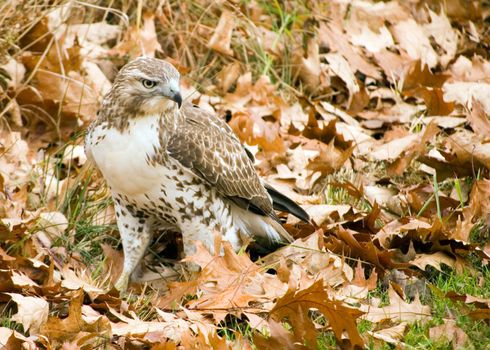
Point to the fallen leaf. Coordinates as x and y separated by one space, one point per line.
13 340
373 40
465 93
228 76
171 328
478 120
32 312
295 305
309 68
469 149
397 311
331 36
444 35
411 37
139 41
452 333
81 280
435 260
226 283
51 226
59 330
221 39
392 335
279 338
476 69
341 68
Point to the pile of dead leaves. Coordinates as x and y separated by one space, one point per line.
372 115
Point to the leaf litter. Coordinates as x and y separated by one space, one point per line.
373 116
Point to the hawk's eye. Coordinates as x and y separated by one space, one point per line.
148 83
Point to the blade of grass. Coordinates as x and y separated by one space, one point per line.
436 195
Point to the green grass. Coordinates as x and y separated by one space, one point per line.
6 319
442 308
81 203
233 325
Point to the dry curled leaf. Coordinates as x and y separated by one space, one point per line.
221 39
32 312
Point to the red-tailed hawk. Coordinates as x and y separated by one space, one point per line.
172 165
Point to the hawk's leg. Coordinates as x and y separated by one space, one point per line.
192 232
135 231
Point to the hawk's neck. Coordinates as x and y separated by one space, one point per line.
119 115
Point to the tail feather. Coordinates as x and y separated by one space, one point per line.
268 232
282 203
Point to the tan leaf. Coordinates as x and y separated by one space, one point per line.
221 39
398 310
390 151
403 150
451 332
74 326
373 40
13 340
71 92
313 260
444 35
479 206
139 41
51 226
113 263
332 36
228 76
90 36
74 155
309 68
225 283
341 68
478 120
391 63
22 280
469 149
327 213
361 281
475 70
172 327
392 335
279 338
465 93
329 159
293 115
80 280
32 312
295 305
435 260
16 72
411 37
433 99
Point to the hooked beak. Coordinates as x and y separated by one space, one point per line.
177 97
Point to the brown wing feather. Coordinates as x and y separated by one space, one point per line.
207 145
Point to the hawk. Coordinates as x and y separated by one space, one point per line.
171 165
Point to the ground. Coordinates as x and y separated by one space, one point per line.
371 115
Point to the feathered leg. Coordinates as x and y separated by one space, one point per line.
135 234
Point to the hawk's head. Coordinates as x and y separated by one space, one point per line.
147 86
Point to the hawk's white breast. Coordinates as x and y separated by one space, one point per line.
122 155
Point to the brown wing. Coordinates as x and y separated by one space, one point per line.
207 145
